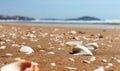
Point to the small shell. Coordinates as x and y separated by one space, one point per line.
118 60
51 52
2 47
72 43
26 49
71 68
53 64
104 60
93 58
71 59
109 65
9 54
100 68
92 46
86 61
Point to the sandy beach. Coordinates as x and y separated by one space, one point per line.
50 51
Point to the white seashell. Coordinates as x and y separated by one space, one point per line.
73 43
26 49
73 32
100 68
18 59
71 59
82 50
2 47
78 48
2 42
62 44
113 58
93 58
53 64
118 60
60 48
86 61
108 65
92 46
104 60
15 45
109 45
9 54
51 52
71 68
42 50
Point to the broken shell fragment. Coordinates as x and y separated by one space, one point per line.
20 66
92 46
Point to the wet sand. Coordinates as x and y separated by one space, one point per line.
52 54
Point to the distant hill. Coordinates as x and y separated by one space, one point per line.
84 18
4 17
89 18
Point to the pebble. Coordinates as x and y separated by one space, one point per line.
26 49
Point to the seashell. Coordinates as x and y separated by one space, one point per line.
20 66
60 48
17 59
78 48
86 61
53 64
51 52
2 47
82 50
109 65
93 58
73 43
42 50
26 49
14 45
71 59
92 46
100 68
104 60
9 54
118 60
71 68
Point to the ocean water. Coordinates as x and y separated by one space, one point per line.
69 24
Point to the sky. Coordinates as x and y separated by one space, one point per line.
62 9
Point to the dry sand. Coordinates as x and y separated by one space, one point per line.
52 54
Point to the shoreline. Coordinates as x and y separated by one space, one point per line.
70 25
